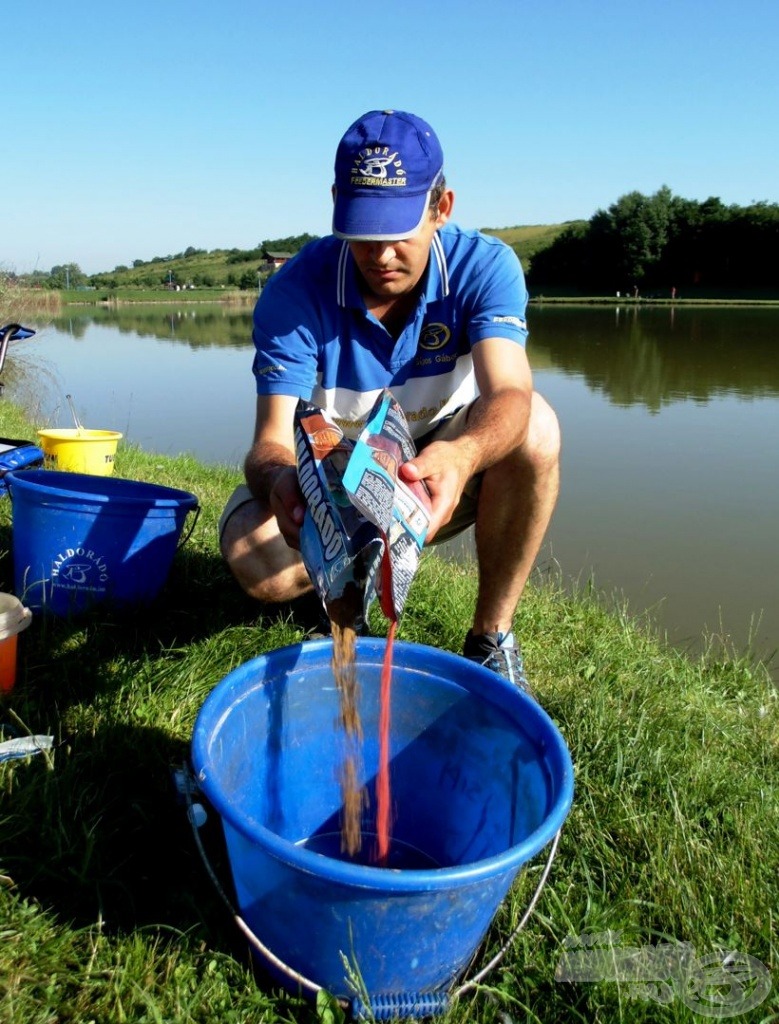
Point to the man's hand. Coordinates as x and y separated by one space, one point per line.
445 468
497 423
287 504
270 466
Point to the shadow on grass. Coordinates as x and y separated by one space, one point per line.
104 841
104 837
66 660
199 598
99 834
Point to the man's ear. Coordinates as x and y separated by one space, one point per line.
445 205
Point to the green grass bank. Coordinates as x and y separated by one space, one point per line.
107 915
56 302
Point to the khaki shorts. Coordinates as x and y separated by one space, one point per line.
464 515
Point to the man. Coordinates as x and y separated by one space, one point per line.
398 297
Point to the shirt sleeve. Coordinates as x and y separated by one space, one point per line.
285 357
498 302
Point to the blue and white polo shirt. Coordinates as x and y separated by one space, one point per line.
315 339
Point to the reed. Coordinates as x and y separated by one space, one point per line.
19 305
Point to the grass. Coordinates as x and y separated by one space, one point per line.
568 297
119 296
106 914
528 239
19 305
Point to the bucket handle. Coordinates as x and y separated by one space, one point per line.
187 785
474 981
183 540
387 1007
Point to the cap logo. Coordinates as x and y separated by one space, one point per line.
375 165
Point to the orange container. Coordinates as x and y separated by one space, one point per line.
14 618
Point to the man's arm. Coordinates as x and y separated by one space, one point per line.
497 425
270 466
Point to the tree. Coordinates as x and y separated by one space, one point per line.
294 243
665 239
68 275
640 226
565 261
248 280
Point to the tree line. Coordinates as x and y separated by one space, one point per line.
179 268
664 241
646 243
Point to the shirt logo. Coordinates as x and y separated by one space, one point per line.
434 336
375 165
509 320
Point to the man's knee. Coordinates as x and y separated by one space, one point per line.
542 444
259 558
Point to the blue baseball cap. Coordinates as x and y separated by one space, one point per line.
386 165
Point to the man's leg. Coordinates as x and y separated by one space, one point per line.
516 501
259 557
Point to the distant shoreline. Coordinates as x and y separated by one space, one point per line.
630 302
34 301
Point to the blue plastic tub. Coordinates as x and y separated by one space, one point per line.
481 781
80 540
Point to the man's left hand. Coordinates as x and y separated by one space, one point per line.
445 469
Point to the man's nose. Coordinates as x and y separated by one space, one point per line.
382 253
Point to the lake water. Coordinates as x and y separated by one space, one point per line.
670 420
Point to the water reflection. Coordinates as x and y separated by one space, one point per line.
633 356
652 357
196 324
670 477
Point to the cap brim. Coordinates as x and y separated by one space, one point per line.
379 218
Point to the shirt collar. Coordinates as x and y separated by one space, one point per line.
436 276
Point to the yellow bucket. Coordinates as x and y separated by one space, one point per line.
79 451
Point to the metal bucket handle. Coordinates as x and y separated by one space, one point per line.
383 1007
183 540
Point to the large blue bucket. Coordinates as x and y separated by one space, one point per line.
481 781
81 540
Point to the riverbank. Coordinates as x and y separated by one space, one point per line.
106 911
628 302
20 304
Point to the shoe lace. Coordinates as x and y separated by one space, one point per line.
507 661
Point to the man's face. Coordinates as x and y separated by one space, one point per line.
391 269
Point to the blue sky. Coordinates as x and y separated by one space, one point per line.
137 130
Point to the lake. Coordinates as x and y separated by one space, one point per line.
670 421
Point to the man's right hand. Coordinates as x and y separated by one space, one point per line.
287 504
270 467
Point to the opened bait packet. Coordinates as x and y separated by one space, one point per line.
337 544
400 510
364 527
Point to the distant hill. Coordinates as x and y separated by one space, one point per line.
202 269
238 268
529 239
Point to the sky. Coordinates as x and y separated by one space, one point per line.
137 130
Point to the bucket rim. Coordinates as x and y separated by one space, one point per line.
502 693
73 434
98 490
